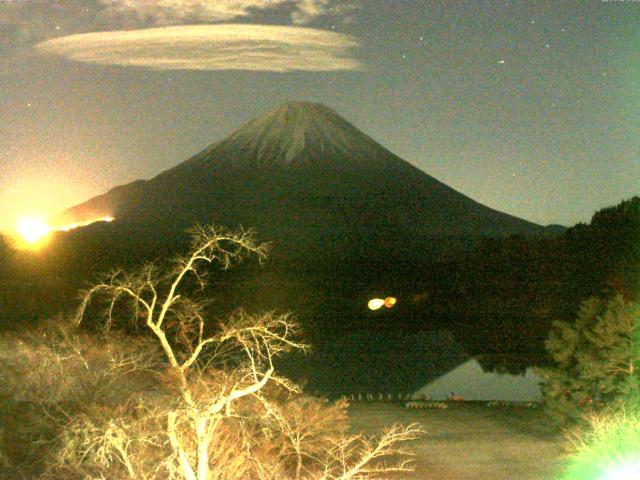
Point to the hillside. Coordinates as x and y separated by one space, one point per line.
347 220
310 182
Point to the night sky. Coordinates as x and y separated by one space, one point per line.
531 108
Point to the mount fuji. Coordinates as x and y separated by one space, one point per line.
310 182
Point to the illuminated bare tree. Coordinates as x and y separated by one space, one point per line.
359 457
339 455
215 416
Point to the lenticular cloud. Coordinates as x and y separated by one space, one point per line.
212 47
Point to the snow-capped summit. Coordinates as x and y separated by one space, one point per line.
293 135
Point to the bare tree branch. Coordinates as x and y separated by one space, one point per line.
215 417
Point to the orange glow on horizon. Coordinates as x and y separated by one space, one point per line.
71 226
32 232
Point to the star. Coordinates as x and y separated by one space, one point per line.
547 46
501 62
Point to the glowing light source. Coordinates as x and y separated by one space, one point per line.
71 226
32 230
375 303
629 470
378 303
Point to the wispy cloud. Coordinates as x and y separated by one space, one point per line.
307 10
163 12
211 47
25 22
168 12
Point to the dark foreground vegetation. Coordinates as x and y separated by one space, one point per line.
183 398
499 297
160 375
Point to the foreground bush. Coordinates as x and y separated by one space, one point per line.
189 400
608 449
596 360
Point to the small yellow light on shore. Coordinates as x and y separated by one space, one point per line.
375 303
32 230
390 301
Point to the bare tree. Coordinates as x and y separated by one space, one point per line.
56 363
331 453
215 416
359 457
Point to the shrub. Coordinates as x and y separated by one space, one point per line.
596 360
608 449
189 400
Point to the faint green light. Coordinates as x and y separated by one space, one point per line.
609 451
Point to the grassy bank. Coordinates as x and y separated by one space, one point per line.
471 441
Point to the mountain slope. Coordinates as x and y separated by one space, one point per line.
347 218
310 181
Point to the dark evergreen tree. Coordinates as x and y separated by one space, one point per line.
596 360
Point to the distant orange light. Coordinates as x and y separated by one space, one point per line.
32 230
378 303
390 301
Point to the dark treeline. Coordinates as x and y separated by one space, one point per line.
498 296
511 289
